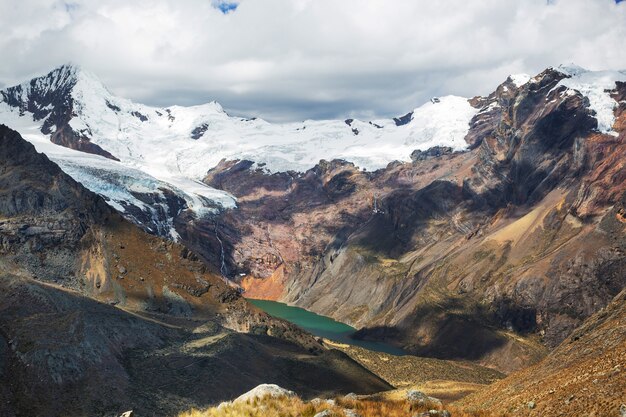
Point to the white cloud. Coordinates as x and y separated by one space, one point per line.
295 59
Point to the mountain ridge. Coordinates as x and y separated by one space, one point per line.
529 206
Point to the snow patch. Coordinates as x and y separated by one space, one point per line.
595 85
519 79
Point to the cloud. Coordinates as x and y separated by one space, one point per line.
298 59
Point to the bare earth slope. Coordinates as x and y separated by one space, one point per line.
494 254
584 375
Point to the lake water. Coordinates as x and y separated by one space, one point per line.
321 326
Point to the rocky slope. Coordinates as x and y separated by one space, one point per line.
97 317
584 375
491 254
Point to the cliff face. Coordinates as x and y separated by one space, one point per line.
98 317
488 254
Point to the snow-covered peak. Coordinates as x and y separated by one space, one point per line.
596 86
174 147
519 79
60 81
57 79
571 69
89 83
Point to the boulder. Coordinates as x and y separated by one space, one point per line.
265 390
420 398
434 413
318 401
414 395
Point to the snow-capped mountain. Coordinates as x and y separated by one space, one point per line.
594 85
149 162
189 140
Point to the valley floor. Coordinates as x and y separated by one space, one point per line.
444 379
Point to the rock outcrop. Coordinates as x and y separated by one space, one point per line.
264 390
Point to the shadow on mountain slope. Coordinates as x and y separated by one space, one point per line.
69 355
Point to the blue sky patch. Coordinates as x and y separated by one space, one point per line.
225 6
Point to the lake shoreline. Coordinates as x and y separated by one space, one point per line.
322 326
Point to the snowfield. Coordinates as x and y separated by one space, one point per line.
519 79
160 141
175 147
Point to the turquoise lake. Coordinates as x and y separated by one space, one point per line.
321 326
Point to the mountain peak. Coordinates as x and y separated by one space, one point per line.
71 73
571 69
60 85
65 75
62 79
67 68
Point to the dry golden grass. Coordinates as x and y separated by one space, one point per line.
266 407
445 390
413 372
371 406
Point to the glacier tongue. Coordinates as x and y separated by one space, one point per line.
141 197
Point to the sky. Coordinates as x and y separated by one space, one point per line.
289 60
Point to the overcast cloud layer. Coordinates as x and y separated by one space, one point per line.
299 59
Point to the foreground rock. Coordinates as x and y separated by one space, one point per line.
422 399
264 390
